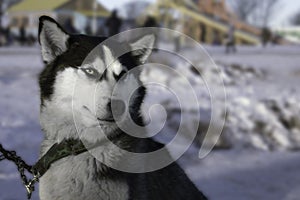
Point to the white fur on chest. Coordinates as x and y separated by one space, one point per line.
78 177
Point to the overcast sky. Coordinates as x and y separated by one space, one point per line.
286 9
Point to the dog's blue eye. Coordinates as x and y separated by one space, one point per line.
91 72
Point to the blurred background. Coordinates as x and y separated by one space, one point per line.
253 22
255 45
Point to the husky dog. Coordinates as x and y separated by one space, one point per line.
83 176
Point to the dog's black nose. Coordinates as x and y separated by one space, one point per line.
117 107
108 107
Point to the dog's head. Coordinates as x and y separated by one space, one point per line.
77 82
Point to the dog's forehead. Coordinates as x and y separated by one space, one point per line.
102 57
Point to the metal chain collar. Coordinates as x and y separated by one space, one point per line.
56 152
22 167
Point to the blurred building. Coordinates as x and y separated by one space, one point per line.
204 20
290 34
81 13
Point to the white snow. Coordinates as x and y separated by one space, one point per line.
262 128
263 108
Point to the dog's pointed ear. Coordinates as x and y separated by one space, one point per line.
143 47
110 61
52 38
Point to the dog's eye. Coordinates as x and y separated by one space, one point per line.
89 71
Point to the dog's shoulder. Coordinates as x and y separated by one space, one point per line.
170 182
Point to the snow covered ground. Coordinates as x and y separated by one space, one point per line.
19 112
262 129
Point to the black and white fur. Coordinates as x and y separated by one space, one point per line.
83 176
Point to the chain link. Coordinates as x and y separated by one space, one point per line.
56 152
22 166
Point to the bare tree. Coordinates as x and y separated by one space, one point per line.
264 12
255 12
244 8
296 19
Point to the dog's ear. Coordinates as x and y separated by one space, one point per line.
111 62
142 48
52 38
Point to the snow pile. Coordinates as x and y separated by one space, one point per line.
265 124
236 74
251 122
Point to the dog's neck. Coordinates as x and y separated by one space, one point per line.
57 129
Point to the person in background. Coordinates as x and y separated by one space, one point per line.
113 23
151 22
2 37
216 39
102 30
177 38
203 33
266 36
22 34
88 29
230 43
9 36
